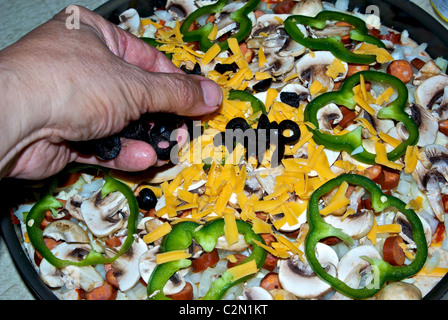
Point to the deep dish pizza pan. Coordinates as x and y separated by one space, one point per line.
397 14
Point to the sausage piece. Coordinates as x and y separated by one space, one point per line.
402 69
185 294
392 252
105 292
271 281
205 260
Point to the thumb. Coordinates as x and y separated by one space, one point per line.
183 94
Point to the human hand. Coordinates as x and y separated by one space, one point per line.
64 85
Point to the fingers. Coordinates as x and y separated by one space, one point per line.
187 95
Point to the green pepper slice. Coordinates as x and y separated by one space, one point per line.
181 237
255 103
48 202
319 230
352 141
201 34
333 43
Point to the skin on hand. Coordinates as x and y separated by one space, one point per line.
64 85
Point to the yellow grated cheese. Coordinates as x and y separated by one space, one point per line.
381 157
279 20
411 159
212 35
382 55
389 139
231 258
211 54
371 235
363 87
262 61
293 247
389 228
260 226
265 247
269 205
242 270
434 272
335 204
290 77
406 251
172 256
415 204
157 233
384 96
316 88
349 212
230 228
262 75
335 69
366 124
363 104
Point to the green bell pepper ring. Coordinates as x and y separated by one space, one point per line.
382 270
201 34
48 202
352 141
181 237
333 43
255 103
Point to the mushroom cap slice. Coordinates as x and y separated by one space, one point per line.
298 278
86 278
399 291
328 116
427 126
130 21
256 293
352 265
431 90
436 156
356 225
67 231
126 267
104 216
307 7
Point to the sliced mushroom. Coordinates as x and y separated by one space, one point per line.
356 225
180 9
126 266
298 278
313 66
130 21
86 278
73 206
399 291
255 293
380 125
147 264
354 269
432 94
436 156
66 230
238 246
429 69
104 216
307 7
430 182
427 125
329 116
406 230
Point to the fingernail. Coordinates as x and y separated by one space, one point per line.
212 93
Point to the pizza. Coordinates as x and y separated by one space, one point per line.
322 175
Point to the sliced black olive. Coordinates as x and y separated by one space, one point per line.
146 199
238 123
222 68
136 130
262 85
292 126
196 69
108 148
161 135
292 99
